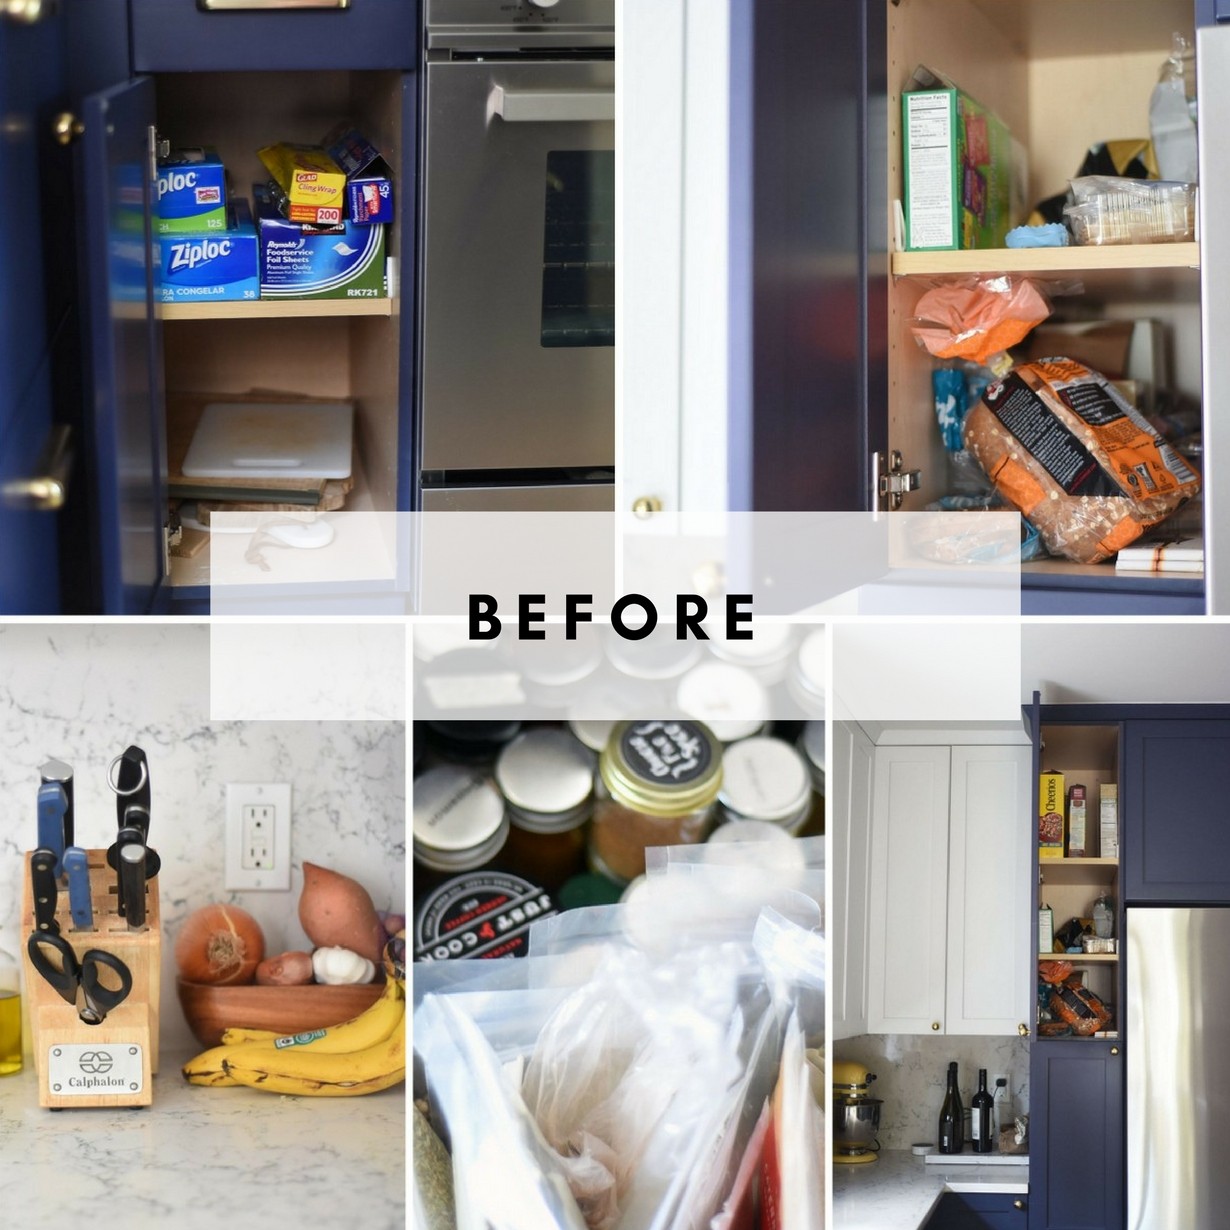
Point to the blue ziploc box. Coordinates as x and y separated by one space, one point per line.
369 182
214 266
300 261
191 192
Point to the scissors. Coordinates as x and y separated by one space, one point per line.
79 982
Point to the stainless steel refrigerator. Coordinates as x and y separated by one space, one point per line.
1178 1051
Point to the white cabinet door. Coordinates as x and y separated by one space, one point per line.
909 890
989 930
849 829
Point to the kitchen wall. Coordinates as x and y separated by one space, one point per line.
84 692
912 1071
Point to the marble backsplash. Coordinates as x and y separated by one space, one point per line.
912 1072
84 692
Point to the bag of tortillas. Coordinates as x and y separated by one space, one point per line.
1062 445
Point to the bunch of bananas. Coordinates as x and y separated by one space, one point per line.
362 1055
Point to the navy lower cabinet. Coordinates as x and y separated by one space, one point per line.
1176 838
1077 1134
979 1211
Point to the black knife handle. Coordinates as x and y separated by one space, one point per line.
44 889
132 876
131 783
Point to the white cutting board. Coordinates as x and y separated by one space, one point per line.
272 440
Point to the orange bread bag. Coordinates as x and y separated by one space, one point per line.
1062 445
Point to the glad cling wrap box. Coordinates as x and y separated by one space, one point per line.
1063 446
317 262
191 193
214 266
313 185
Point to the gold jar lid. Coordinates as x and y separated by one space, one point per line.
667 768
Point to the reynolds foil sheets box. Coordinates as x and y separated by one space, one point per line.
191 192
317 262
313 184
215 266
369 182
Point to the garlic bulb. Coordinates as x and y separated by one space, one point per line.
340 966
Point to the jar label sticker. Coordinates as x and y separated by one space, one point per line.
670 753
485 914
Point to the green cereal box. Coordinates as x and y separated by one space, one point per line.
957 168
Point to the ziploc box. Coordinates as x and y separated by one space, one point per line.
957 168
191 192
215 266
313 184
1050 815
317 262
369 182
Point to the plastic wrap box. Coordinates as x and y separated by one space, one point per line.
317 262
957 168
191 193
216 266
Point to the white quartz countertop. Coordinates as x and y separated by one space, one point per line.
232 1158
898 1190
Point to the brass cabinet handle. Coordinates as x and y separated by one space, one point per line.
215 5
645 506
66 128
27 12
1114 1050
935 1025
1018 1204
1023 1030
47 489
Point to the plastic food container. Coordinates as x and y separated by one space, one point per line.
1111 210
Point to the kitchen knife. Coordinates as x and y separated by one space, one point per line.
132 785
137 817
60 773
52 805
152 863
132 877
79 902
43 884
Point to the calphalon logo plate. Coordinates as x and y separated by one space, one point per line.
87 1070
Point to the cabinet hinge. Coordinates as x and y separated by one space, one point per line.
892 480
156 147
172 536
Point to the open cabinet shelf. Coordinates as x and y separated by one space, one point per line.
276 309
1094 261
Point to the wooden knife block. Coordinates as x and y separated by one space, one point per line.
54 1022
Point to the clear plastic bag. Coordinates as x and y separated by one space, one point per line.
978 318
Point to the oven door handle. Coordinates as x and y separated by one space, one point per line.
550 106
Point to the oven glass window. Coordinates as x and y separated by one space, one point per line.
578 263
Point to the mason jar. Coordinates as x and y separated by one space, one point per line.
459 823
766 779
547 779
657 784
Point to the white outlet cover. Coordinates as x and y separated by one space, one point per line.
238 796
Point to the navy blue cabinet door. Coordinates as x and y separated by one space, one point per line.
32 84
178 36
979 1211
123 364
1176 835
1077 1135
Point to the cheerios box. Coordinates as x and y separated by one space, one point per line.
191 192
299 261
212 266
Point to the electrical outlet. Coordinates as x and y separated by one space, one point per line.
258 835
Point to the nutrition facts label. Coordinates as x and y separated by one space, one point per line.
929 205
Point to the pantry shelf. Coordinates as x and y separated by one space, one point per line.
1081 958
275 309
1072 261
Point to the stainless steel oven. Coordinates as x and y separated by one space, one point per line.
518 248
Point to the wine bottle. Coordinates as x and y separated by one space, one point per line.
952 1116
981 1107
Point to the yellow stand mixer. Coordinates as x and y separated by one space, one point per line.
856 1115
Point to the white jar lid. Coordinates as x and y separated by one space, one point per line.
593 734
458 819
547 775
765 779
729 699
808 683
659 656
748 830
770 642
811 744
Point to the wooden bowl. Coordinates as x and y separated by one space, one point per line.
287 1010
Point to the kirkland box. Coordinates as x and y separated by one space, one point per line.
217 266
191 192
369 182
317 262
957 168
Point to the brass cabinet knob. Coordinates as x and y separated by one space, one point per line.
1114 1050
66 128
1018 1204
1023 1030
27 12
645 506
47 488
935 1025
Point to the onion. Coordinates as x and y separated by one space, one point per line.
289 969
219 945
